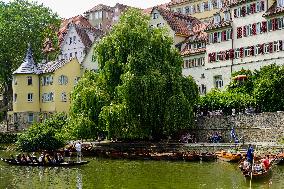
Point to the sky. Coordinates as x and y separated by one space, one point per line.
70 8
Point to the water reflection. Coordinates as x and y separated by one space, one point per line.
134 175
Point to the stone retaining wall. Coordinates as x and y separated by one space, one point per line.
264 127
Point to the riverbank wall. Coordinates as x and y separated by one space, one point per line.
263 127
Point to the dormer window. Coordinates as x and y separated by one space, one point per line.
280 3
217 18
227 16
155 15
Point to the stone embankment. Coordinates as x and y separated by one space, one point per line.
263 127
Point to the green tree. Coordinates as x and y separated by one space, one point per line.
269 88
44 136
141 72
22 22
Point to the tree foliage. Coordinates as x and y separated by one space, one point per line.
44 136
23 22
139 91
263 89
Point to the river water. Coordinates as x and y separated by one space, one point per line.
123 174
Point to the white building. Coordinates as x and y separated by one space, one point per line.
76 37
245 34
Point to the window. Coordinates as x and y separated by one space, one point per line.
217 19
74 39
155 15
30 117
159 25
70 55
258 28
257 50
249 29
280 23
266 48
227 16
238 12
276 46
202 89
247 51
62 80
100 14
280 3
202 7
187 10
218 81
219 4
219 37
30 80
258 7
15 80
210 6
15 97
237 53
70 40
76 80
96 15
47 80
76 54
48 97
219 56
30 97
63 97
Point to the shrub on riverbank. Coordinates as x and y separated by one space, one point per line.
8 138
44 136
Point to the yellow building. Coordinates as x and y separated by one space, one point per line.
42 89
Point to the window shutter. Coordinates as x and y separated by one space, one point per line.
241 52
231 54
209 57
245 31
261 49
276 23
280 45
271 47
262 5
223 36
215 37
252 50
264 27
253 7
254 29
244 11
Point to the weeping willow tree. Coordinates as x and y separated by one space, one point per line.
139 91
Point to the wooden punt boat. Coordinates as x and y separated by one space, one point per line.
255 175
229 157
191 157
65 164
207 157
279 159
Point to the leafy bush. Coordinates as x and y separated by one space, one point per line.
44 136
8 138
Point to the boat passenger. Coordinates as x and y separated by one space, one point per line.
60 158
41 158
23 159
67 155
257 167
266 163
18 158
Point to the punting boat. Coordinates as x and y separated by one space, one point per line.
279 159
229 157
207 157
256 174
65 164
191 157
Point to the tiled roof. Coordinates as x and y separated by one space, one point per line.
176 2
179 23
274 10
77 20
149 10
84 37
28 66
52 66
100 7
234 3
47 46
187 52
222 24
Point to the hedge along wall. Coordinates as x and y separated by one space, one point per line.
264 127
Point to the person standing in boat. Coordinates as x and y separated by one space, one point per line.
250 154
78 147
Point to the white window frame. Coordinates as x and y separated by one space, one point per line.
29 80
30 97
63 97
63 80
257 50
258 28
266 48
219 4
210 5
247 51
218 80
202 7
237 53
155 15
276 46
